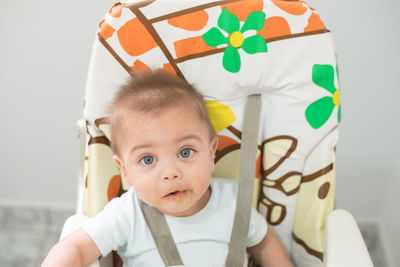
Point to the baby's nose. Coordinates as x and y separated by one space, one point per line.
171 176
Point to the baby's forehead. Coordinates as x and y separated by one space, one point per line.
128 112
127 117
171 124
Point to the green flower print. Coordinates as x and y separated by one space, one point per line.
318 112
235 40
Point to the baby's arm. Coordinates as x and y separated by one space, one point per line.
77 249
270 252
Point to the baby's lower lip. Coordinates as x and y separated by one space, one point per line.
176 195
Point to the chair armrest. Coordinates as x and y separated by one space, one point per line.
71 225
344 245
80 207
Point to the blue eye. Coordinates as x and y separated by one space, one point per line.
186 153
147 160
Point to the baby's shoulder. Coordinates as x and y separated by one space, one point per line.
224 186
223 182
126 201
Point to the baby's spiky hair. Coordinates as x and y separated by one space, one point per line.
150 93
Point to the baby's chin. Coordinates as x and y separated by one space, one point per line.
177 213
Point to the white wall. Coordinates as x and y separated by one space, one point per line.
44 55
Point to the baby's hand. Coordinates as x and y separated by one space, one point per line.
270 252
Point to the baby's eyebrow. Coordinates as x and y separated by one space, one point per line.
140 146
190 136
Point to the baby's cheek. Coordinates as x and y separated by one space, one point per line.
144 190
201 182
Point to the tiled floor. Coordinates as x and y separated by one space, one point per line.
27 234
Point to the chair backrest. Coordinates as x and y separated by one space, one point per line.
229 50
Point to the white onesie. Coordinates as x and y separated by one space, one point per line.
202 239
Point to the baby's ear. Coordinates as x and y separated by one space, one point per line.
120 164
213 146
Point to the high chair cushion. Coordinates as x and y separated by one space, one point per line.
229 50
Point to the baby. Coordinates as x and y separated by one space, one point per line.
164 144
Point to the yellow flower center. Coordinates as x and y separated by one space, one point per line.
336 97
236 39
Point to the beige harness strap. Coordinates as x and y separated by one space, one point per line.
162 236
247 170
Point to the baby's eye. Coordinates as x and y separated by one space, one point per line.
186 153
147 160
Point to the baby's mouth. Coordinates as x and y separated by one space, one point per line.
175 194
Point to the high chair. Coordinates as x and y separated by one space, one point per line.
276 51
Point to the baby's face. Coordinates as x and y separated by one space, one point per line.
168 158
